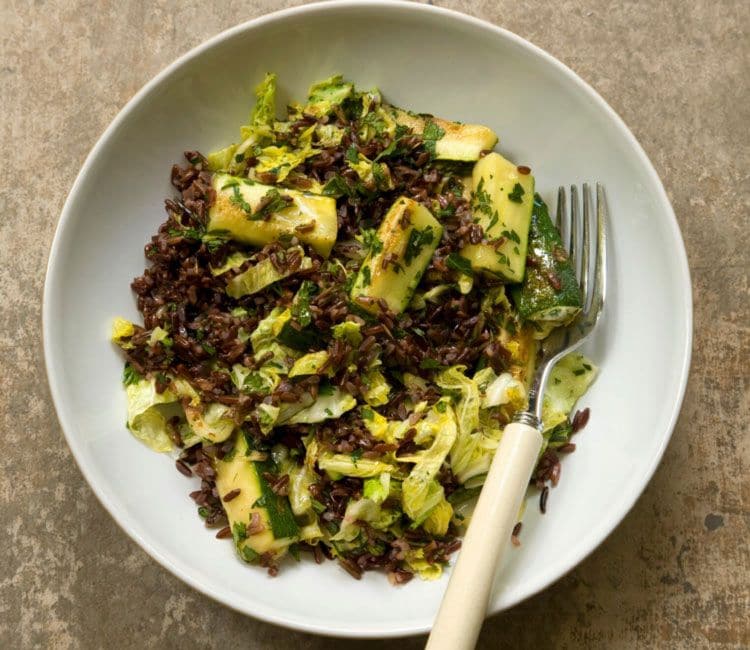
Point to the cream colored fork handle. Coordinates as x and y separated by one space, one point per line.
465 601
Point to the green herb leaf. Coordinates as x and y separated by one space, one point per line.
371 240
239 532
301 305
272 201
459 263
352 155
430 364
130 375
239 200
337 186
249 555
417 240
431 134
517 193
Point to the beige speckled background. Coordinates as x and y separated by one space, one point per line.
675 574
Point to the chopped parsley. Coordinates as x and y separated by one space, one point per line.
239 200
430 364
371 241
239 532
380 175
130 375
356 455
431 134
517 194
393 148
441 407
352 155
337 186
481 200
301 305
249 555
272 201
459 263
366 276
512 235
417 240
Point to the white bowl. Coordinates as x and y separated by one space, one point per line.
426 59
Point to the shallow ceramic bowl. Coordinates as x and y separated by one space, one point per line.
428 60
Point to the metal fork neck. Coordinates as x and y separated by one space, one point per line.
528 418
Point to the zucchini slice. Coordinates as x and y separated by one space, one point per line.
502 201
279 528
456 141
257 214
404 244
550 292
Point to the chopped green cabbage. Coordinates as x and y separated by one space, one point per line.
233 261
325 95
301 477
417 563
309 364
267 415
377 388
439 519
263 340
417 487
498 390
568 381
348 331
377 488
343 465
257 132
264 110
159 335
145 420
214 423
281 160
122 329
327 406
469 456
367 511
262 381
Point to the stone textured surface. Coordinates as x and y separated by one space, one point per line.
674 574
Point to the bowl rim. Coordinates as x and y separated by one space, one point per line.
595 535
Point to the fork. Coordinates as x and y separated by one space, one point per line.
464 604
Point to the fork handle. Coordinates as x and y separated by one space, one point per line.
465 601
